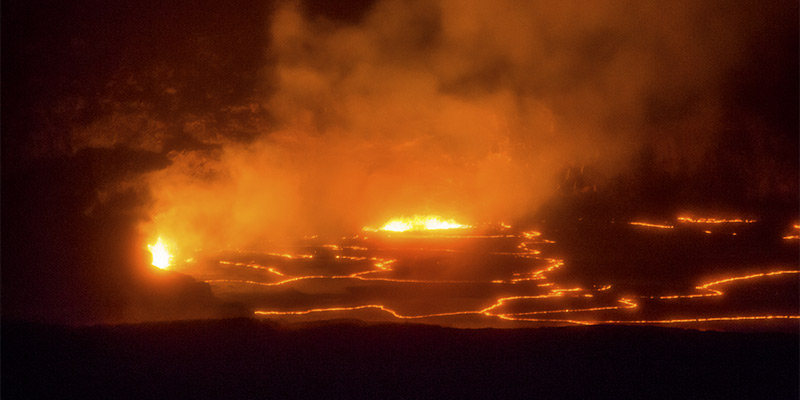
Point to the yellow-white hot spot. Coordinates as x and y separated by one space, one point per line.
161 256
418 223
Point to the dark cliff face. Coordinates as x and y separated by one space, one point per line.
70 234
70 65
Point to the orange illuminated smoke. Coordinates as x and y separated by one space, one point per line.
418 223
161 256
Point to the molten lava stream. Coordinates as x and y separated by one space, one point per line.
522 295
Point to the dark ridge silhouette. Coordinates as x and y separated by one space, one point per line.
245 358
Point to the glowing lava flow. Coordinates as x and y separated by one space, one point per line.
624 303
418 223
710 319
161 256
794 236
384 265
716 292
540 291
704 222
649 225
691 220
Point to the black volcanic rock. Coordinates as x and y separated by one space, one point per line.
244 358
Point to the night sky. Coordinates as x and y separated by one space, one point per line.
244 123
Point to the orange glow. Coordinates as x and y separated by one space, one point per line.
531 234
252 265
554 293
649 225
353 132
793 236
690 220
625 304
739 278
161 256
549 302
418 223
384 265
368 306
711 319
715 292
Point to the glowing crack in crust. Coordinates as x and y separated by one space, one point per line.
649 225
494 310
623 303
715 292
685 220
691 220
795 235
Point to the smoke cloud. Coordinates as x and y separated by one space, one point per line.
250 125
470 110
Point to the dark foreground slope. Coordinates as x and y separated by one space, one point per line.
244 358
